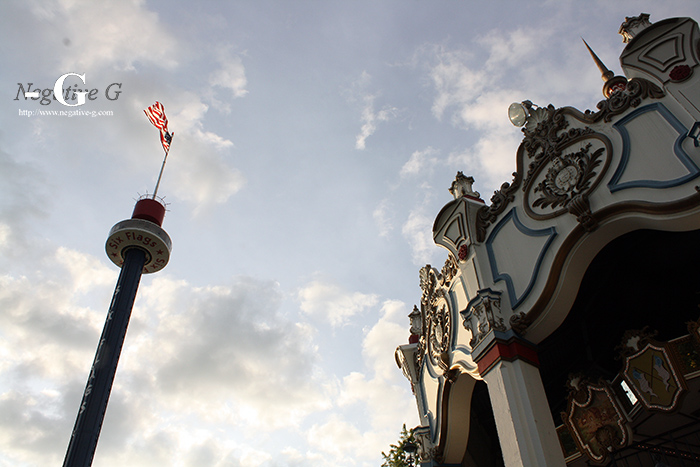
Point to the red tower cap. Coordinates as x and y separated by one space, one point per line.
149 209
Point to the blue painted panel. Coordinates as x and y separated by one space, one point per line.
678 152
512 216
433 419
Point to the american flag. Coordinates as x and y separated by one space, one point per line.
156 114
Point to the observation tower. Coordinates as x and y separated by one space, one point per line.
138 246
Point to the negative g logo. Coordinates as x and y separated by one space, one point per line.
70 96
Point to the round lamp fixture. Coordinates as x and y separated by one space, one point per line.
517 113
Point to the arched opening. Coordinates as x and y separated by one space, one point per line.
644 278
483 447
468 434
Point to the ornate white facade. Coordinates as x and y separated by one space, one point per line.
519 310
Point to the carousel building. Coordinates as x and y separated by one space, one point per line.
563 327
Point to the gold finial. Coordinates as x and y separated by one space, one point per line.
613 83
604 72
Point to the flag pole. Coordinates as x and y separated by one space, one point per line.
155 192
156 115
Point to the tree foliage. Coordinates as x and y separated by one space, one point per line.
398 455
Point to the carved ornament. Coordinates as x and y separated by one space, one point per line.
567 177
562 184
633 25
483 315
436 334
547 136
427 452
462 186
637 89
519 323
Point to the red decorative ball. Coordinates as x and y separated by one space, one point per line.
680 73
463 252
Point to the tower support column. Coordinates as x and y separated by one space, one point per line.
523 419
99 385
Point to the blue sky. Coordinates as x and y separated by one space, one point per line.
314 144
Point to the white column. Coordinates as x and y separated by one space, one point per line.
524 422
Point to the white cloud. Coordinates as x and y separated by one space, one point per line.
455 82
50 316
419 162
513 49
202 178
189 117
133 34
381 340
370 117
226 340
48 336
383 216
23 199
135 48
417 230
86 272
338 438
197 170
381 395
473 92
492 156
231 76
197 358
332 303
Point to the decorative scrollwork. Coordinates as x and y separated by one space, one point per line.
545 138
449 270
637 89
564 182
436 316
519 322
440 330
547 134
580 207
499 201
569 176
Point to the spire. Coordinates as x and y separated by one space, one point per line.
612 83
604 72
